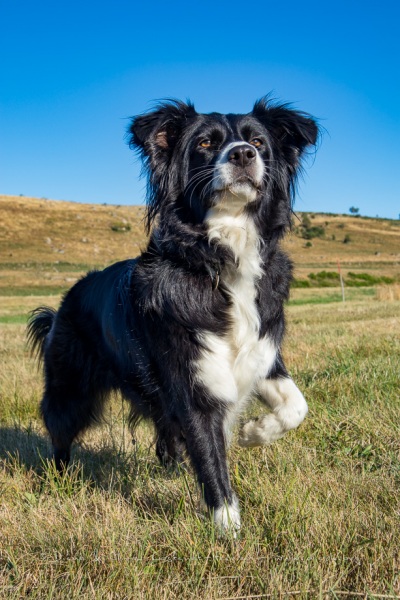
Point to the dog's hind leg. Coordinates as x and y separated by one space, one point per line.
66 413
170 443
288 410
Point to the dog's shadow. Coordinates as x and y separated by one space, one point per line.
23 447
29 449
123 470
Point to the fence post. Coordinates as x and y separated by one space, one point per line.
341 280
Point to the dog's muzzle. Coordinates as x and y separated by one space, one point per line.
239 170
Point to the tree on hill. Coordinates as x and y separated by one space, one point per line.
354 211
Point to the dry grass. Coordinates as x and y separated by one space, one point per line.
320 508
47 231
388 293
46 245
374 247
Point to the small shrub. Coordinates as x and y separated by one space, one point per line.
305 221
308 245
308 231
313 232
365 280
300 283
324 279
120 227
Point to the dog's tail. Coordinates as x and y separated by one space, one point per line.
39 325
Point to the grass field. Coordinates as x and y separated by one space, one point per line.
320 508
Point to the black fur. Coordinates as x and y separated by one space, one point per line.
133 327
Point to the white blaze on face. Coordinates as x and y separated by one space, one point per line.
226 173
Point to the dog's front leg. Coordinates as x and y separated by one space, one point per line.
288 410
207 449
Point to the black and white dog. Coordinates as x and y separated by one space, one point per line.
192 328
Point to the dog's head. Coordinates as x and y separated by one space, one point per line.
198 161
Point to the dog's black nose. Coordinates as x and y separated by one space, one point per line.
242 155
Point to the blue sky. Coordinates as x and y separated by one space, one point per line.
72 73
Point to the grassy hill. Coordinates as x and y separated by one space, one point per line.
320 507
45 245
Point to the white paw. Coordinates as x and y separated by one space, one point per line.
265 430
227 518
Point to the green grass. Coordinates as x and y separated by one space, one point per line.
365 279
320 507
324 279
60 266
17 319
34 290
333 297
300 297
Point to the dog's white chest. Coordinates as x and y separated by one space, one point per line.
231 365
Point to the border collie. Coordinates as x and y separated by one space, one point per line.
191 329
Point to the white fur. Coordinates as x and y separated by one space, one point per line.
230 366
227 518
225 174
289 409
214 369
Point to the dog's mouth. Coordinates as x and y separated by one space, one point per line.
245 180
244 190
243 186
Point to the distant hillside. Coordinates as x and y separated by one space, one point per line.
47 244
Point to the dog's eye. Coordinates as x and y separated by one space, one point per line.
205 143
256 142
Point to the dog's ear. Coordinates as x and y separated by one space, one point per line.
155 134
292 131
